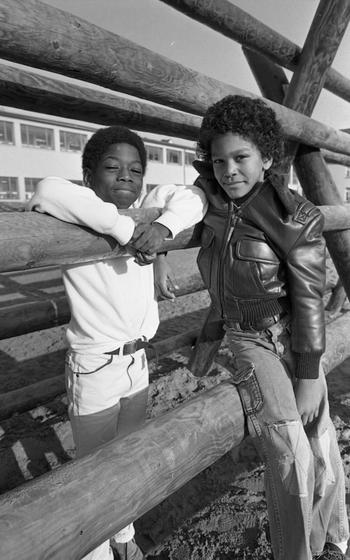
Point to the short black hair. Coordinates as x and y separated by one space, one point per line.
104 137
249 117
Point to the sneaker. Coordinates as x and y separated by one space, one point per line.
126 551
330 552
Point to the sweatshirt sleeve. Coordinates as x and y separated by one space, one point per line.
183 206
81 206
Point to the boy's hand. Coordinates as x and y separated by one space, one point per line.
148 238
164 280
308 395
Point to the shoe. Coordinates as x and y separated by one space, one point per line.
330 552
126 551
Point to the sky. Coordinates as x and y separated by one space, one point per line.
154 25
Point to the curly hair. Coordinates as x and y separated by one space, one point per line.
250 118
103 138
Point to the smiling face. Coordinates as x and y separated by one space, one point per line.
237 164
118 175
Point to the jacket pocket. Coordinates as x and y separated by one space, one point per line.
258 259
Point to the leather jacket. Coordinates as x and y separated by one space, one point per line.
258 261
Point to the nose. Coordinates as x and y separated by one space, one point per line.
230 168
124 174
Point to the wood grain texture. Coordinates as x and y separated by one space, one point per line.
314 176
33 92
124 66
233 22
31 240
69 511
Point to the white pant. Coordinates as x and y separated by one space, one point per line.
107 398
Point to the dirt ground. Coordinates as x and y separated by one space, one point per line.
221 514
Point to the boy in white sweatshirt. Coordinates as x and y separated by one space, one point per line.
113 309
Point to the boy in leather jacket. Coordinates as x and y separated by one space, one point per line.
262 259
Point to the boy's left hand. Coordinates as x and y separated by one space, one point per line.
308 395
148 238
164 280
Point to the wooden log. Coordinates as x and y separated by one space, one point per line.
69 511
323 39
66 49
233 22
313 174
30 396
30 240
33 92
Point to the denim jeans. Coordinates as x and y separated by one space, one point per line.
107 398
304 478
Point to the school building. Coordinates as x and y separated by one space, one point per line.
33 146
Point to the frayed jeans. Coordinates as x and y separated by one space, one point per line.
107 398
304 478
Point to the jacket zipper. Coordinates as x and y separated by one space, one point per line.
231 224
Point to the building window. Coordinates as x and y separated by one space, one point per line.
9 188
347 173
347 194
37 137
6 133
189 158
154 153
30 184
72 141
174 156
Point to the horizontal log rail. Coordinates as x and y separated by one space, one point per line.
31 91
31 240
233 22
30 396
41 310
66 49
69 511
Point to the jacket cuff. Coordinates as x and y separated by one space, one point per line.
307 365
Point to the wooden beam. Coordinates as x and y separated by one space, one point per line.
320 47
233 22
68 512
34 92
313 174
50 310
33 395
338 349
32 240
28 37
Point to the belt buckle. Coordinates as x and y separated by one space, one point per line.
129 347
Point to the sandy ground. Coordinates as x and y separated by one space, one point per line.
221 514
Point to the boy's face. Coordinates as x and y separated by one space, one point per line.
118 175
237 164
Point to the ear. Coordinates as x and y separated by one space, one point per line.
267 164
87 177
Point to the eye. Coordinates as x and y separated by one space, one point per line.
241 157
217 161
137 171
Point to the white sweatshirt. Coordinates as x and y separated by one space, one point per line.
112 301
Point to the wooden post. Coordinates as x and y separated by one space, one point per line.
69 511
320 47
236 24
65 48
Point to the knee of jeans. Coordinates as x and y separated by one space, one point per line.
291 454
